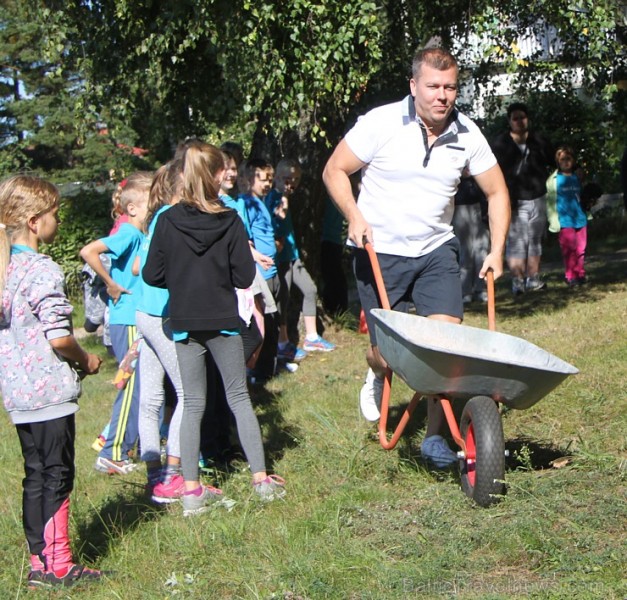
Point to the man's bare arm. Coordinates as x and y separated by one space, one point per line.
492 184
339 167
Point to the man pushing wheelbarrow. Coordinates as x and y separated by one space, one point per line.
411 154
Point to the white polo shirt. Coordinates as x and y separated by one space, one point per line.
407 190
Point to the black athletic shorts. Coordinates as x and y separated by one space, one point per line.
431 282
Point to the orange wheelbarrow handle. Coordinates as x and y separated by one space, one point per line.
389 444
386 443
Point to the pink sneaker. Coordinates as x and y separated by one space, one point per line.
166 493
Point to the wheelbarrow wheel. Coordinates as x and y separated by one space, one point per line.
483 468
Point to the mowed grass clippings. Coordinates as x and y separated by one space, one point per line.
364 523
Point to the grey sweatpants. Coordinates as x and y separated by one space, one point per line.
294 272
527 228
157 357
228 354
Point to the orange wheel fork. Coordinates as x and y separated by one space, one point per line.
387 383
452 424
383 421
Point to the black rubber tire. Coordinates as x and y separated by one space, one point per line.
482 431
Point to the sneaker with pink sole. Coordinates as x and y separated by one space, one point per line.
74 575
167 493
271 488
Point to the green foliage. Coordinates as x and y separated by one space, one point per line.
85 215
284 78
44 125
229 69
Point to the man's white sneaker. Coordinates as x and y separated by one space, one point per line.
370 397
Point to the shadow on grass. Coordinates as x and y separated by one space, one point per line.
530 454
278 434
119 515
225 455
603 271
523 452
220 445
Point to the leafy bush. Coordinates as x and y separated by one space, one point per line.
587 124
85 216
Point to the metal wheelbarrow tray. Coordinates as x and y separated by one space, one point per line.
481 367
460 362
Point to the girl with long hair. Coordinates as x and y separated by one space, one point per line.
200 253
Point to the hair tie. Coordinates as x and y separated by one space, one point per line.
3 226
123 183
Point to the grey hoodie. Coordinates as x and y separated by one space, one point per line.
37 384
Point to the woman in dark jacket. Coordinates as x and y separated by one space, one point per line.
526 160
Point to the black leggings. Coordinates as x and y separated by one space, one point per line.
48 451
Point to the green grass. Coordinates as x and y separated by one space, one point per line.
364 523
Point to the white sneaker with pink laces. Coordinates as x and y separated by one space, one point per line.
271 488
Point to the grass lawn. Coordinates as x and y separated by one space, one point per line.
364 523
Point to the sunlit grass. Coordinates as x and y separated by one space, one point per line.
360 522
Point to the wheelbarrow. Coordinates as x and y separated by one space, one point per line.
451 362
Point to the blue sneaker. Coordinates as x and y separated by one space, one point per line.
290 353
318 345
435 451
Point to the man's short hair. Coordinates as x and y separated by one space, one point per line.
286 165
517 106
436 58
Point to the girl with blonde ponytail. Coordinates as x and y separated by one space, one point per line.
40 385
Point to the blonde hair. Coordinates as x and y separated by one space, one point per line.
563 151
166 185
201 163
132 189
21 197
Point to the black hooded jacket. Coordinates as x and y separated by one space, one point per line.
525 174
200 258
